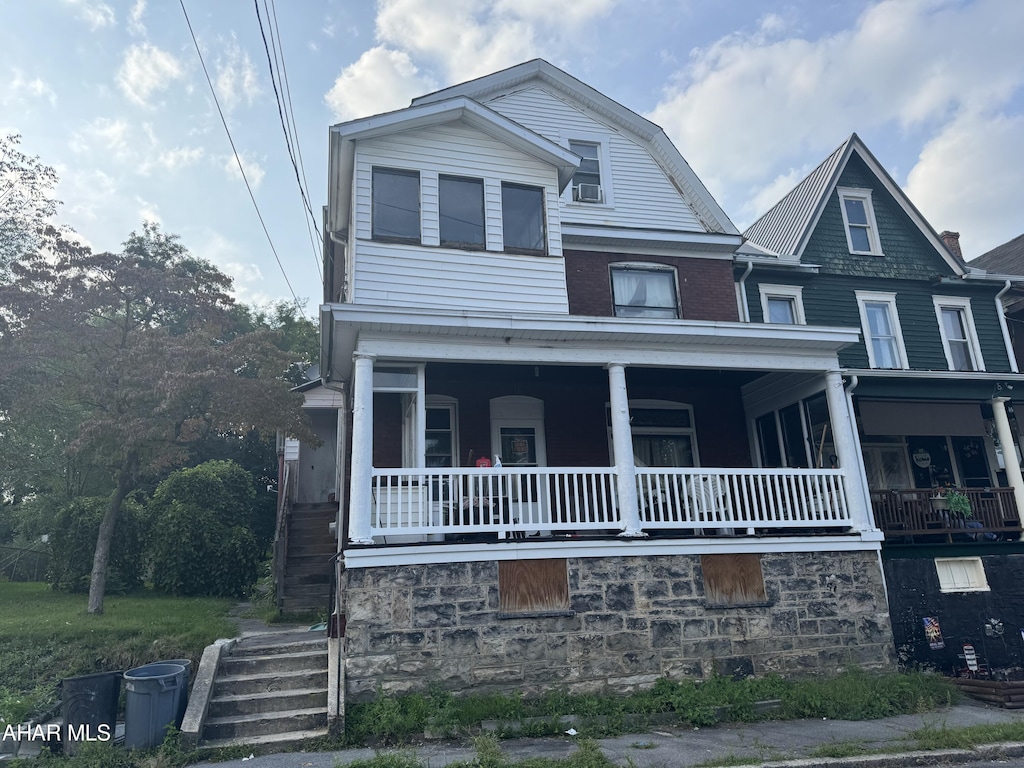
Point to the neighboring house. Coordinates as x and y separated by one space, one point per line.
521 270
932 379
1007 260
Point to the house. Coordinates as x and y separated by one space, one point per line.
933 380
551 474
1008 260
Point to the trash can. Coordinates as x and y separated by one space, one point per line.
89 707
183 702
153 694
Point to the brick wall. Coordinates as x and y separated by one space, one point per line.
632 620
706 287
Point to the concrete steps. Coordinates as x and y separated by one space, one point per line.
269 689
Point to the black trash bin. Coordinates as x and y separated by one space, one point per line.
153 695
89 707
183 701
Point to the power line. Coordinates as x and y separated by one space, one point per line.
238 160
284 127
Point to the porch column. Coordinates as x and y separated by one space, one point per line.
1013 475
844 435
622 441
360 494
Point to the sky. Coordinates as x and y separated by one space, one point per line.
754 93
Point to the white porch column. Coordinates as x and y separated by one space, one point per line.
1013 475
360 495
622 441
844 435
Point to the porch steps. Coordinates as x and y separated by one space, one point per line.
307 570
271 690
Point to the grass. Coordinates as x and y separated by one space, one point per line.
839 749
46 636
729 760
967 737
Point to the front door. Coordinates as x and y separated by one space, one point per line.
517 440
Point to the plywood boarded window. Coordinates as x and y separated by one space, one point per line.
733 580
533 587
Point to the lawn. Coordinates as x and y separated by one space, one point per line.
46 636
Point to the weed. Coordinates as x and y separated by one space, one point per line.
643 745
967 737
731 759
839 749
385 760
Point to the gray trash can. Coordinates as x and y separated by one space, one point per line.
153 695
183 702
89 708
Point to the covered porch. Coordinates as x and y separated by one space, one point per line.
630 430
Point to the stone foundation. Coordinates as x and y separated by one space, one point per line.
632 620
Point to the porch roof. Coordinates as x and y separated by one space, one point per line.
426 335
936 385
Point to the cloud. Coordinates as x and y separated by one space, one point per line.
230 257
236 78
104 135
967 179
21 88
135 25
148 212
179 157
90 194
95 14
415 39
146 70
750 105
254 172
381 80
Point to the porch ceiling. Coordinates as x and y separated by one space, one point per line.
574 340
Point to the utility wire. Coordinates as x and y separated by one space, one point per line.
284 127
224 122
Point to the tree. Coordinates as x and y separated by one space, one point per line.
26 202
145 344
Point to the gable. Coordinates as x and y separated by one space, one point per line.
907 254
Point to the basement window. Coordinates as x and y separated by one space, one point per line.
533 588
733 581
961 574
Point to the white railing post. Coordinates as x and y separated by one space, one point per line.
622 441
1005 434
844 436
360 497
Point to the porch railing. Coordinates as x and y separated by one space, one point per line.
920 514
742 498
515 502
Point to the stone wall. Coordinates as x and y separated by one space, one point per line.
632 620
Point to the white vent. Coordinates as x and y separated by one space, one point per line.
587 193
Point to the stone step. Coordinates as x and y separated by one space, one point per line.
247 726
297 641
274 741
243 685
272 663
267 702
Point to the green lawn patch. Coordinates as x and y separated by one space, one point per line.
46 636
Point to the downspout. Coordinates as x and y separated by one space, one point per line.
1001 314
744 308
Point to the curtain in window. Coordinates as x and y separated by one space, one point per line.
636 288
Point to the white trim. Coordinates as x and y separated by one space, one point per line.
582 231
864 196
645 266
963 304
792 292
881 297
376 557
973 569
605 168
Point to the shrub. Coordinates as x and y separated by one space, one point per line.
73 543
201 539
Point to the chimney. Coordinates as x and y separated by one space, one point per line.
952 241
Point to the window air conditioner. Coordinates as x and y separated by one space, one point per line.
587 193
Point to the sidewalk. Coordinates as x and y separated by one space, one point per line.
768 742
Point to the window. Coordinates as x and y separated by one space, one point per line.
522 219
859 220
882 333
733 580
959 338
961 574
644 291
533 588
396 205
663 433
461 211
441 445
782 304
586 182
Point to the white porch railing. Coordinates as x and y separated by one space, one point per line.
704 498
515 502
509 501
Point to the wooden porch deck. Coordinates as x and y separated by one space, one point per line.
918 516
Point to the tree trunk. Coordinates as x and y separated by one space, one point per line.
98 577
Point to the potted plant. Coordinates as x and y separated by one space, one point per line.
953 501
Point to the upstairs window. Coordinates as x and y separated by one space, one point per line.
859 220
461 211
586 182
644 291
782 304
959 337
522 219
396 205
882 333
